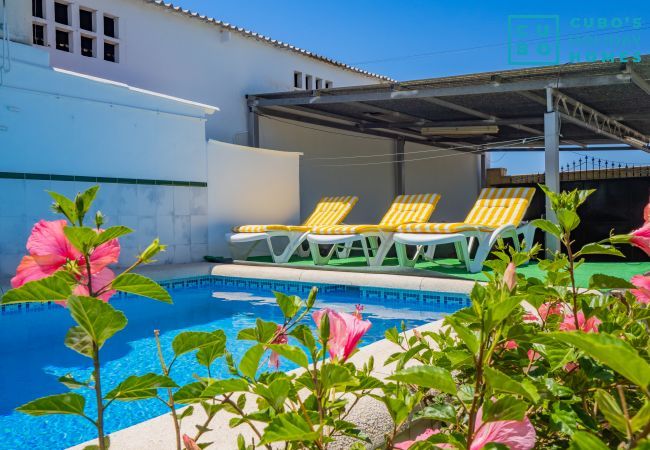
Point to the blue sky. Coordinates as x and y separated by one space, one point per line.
413 39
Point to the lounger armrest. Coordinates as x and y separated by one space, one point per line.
503 229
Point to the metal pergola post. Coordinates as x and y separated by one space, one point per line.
253 127
551 161
398 166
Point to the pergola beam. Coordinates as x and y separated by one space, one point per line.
460 123
637 79
586 117
391 134
475 89
480 114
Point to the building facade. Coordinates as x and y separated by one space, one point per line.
162 48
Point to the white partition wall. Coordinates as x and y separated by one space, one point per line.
250 186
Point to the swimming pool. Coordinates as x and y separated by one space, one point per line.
33 355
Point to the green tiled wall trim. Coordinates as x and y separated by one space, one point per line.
52 177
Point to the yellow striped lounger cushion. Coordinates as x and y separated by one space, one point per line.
328 211
495 207
405 209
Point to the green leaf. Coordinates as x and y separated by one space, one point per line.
505 408
337 376
465 334
569 220
55 287
265 331
304 335
642 417
602 281
139 285
187 412
84 201
207 355
140 387
288 427
188 341
289 304
599 249
586 441
611 351
251 361
80 237
427 376
220 387
547 226
497 312
190 393
275 393
443 412
72 383
500 382
97 318
610 409
110 234
63 205
78 340
292 353
69 403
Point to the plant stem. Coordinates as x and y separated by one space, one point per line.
170 396
477 388
574 291
98 397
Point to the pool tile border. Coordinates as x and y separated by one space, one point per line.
445 299
91 179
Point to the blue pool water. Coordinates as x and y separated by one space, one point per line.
33 356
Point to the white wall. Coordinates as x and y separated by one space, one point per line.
250 186
373 184
53 123
452 174
168 52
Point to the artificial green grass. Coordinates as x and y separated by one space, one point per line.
452 268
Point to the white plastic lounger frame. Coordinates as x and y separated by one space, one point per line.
375 246
426 244
243 244
376 240
328 211
496 213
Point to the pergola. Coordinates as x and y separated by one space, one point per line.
545 108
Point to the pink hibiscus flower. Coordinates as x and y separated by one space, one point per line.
646 213
280 338
510 276
641 238
405 445
515 434
346 330
544 310
642 291
190 444
533 355
589 325
50 250
510 345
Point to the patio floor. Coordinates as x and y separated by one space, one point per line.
451 268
